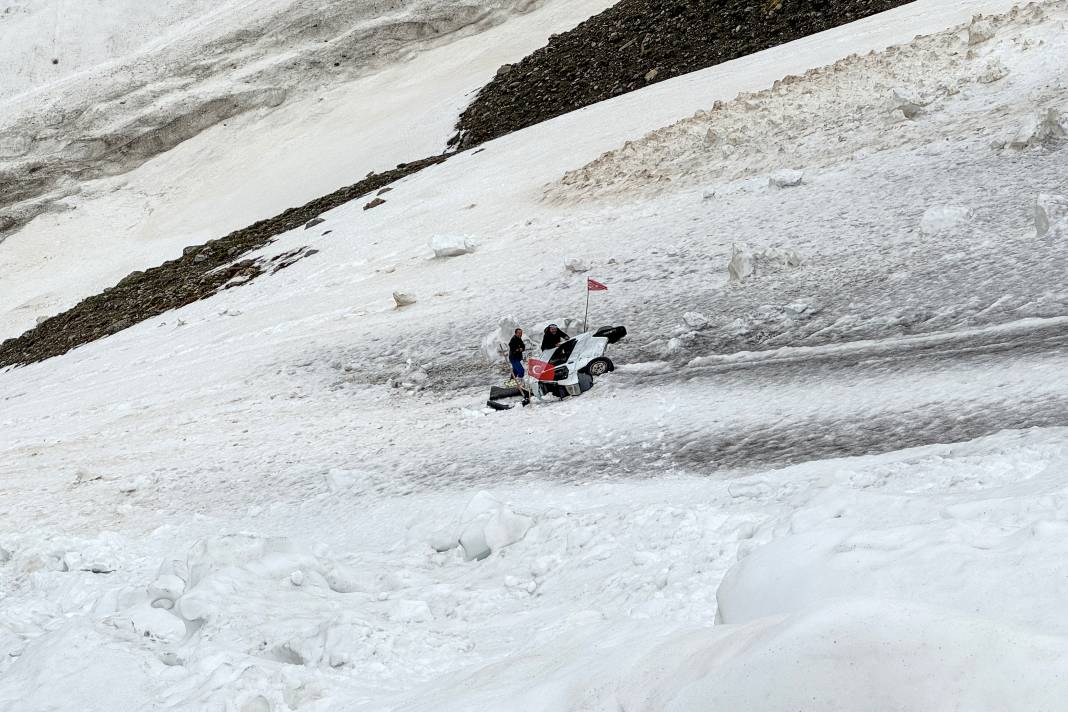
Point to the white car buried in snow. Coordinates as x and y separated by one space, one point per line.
567 370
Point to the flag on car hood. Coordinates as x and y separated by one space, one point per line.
541 370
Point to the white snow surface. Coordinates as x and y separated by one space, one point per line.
835 486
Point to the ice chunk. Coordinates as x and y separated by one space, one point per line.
404 299
695 320
576 265
505 528
495 344
786 178
741 265
907 102
1040 128
451 245
412 376
980 30
941 218
473 541
489 525
994 71
256 703
746 262
1051 215
342 579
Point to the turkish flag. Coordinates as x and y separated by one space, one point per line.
594 286
541 370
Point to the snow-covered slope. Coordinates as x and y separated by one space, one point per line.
226 119
239 505
47 42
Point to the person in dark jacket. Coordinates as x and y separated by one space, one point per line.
553 337
516 347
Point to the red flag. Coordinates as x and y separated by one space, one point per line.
541 370
593 285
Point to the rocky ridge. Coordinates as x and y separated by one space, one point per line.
636 43
201 271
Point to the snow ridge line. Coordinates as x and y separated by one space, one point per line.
872 102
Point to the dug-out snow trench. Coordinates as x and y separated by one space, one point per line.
932 419
745 417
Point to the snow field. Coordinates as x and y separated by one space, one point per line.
609 596
246 464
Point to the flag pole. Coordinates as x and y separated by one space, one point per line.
587 314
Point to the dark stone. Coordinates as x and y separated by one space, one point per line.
374 204
175 283
313 222
129 279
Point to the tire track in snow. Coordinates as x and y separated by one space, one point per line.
749 415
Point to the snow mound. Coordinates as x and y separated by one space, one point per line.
907 102
263 600
786 178
941 218
576 265
413 376
494 346
1038 129
404 299
980 30
842 657
994 71
486 525
747 262
1051 215
829 551
695 320
452 245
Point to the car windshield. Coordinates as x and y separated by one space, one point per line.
562 353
